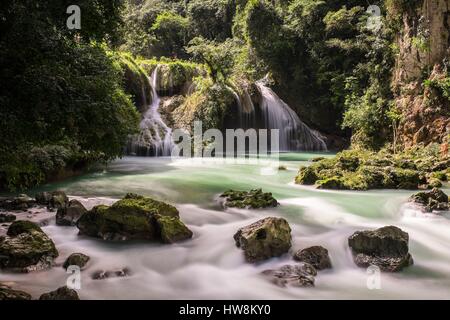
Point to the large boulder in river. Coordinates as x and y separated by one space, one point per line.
69 215
7 293
436 199
300 275
316 256
253 199
21 202
134 217
26 248
63 293
264 239
386 248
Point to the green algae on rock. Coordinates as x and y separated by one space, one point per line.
364 170
253 199
264 239
134 218
435 200
26 248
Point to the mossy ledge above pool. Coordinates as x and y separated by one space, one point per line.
134 218
416 168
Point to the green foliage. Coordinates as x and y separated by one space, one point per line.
171 31
219 57
441 85
62 97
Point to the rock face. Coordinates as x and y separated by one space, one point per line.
10 294
316 256
102 274
26 248
63 293
134 217
254 199
301 275
264 239
76 259
69 215
386 248
436 199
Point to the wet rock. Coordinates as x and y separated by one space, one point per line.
76 259
300 275
69 215
386 248
7 217
63 293
7 293
264 239
59 200
316 256
55 199
26 248
434 200
172 229
254 199
102 274
134 217
306 176
19 203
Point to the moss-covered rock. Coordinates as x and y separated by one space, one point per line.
10 294
300 275
316 256
76 259
172 229
430 201
26 248
63 293
133 217
264 239
364 170
386 248
253 199
306 176
69 215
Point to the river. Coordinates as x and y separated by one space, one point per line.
211 267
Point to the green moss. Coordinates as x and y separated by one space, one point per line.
172 229
19 227
306 176
331 183
254 199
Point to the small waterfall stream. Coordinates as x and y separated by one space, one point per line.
294 134
155 137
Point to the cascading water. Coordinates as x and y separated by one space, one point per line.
294 134
155 137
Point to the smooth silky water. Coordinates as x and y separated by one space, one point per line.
211 267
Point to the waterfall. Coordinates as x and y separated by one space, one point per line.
294 134
155 137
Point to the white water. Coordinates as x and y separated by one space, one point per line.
294 134
155 137
211 267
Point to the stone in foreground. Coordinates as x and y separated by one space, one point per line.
69 215
7 293
301 275
264 239
26 248
63 293
386 248
316 256
134 218
76 259
253 199
7 217
435 200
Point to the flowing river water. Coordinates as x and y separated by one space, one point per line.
209 266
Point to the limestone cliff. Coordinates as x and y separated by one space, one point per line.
420 78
